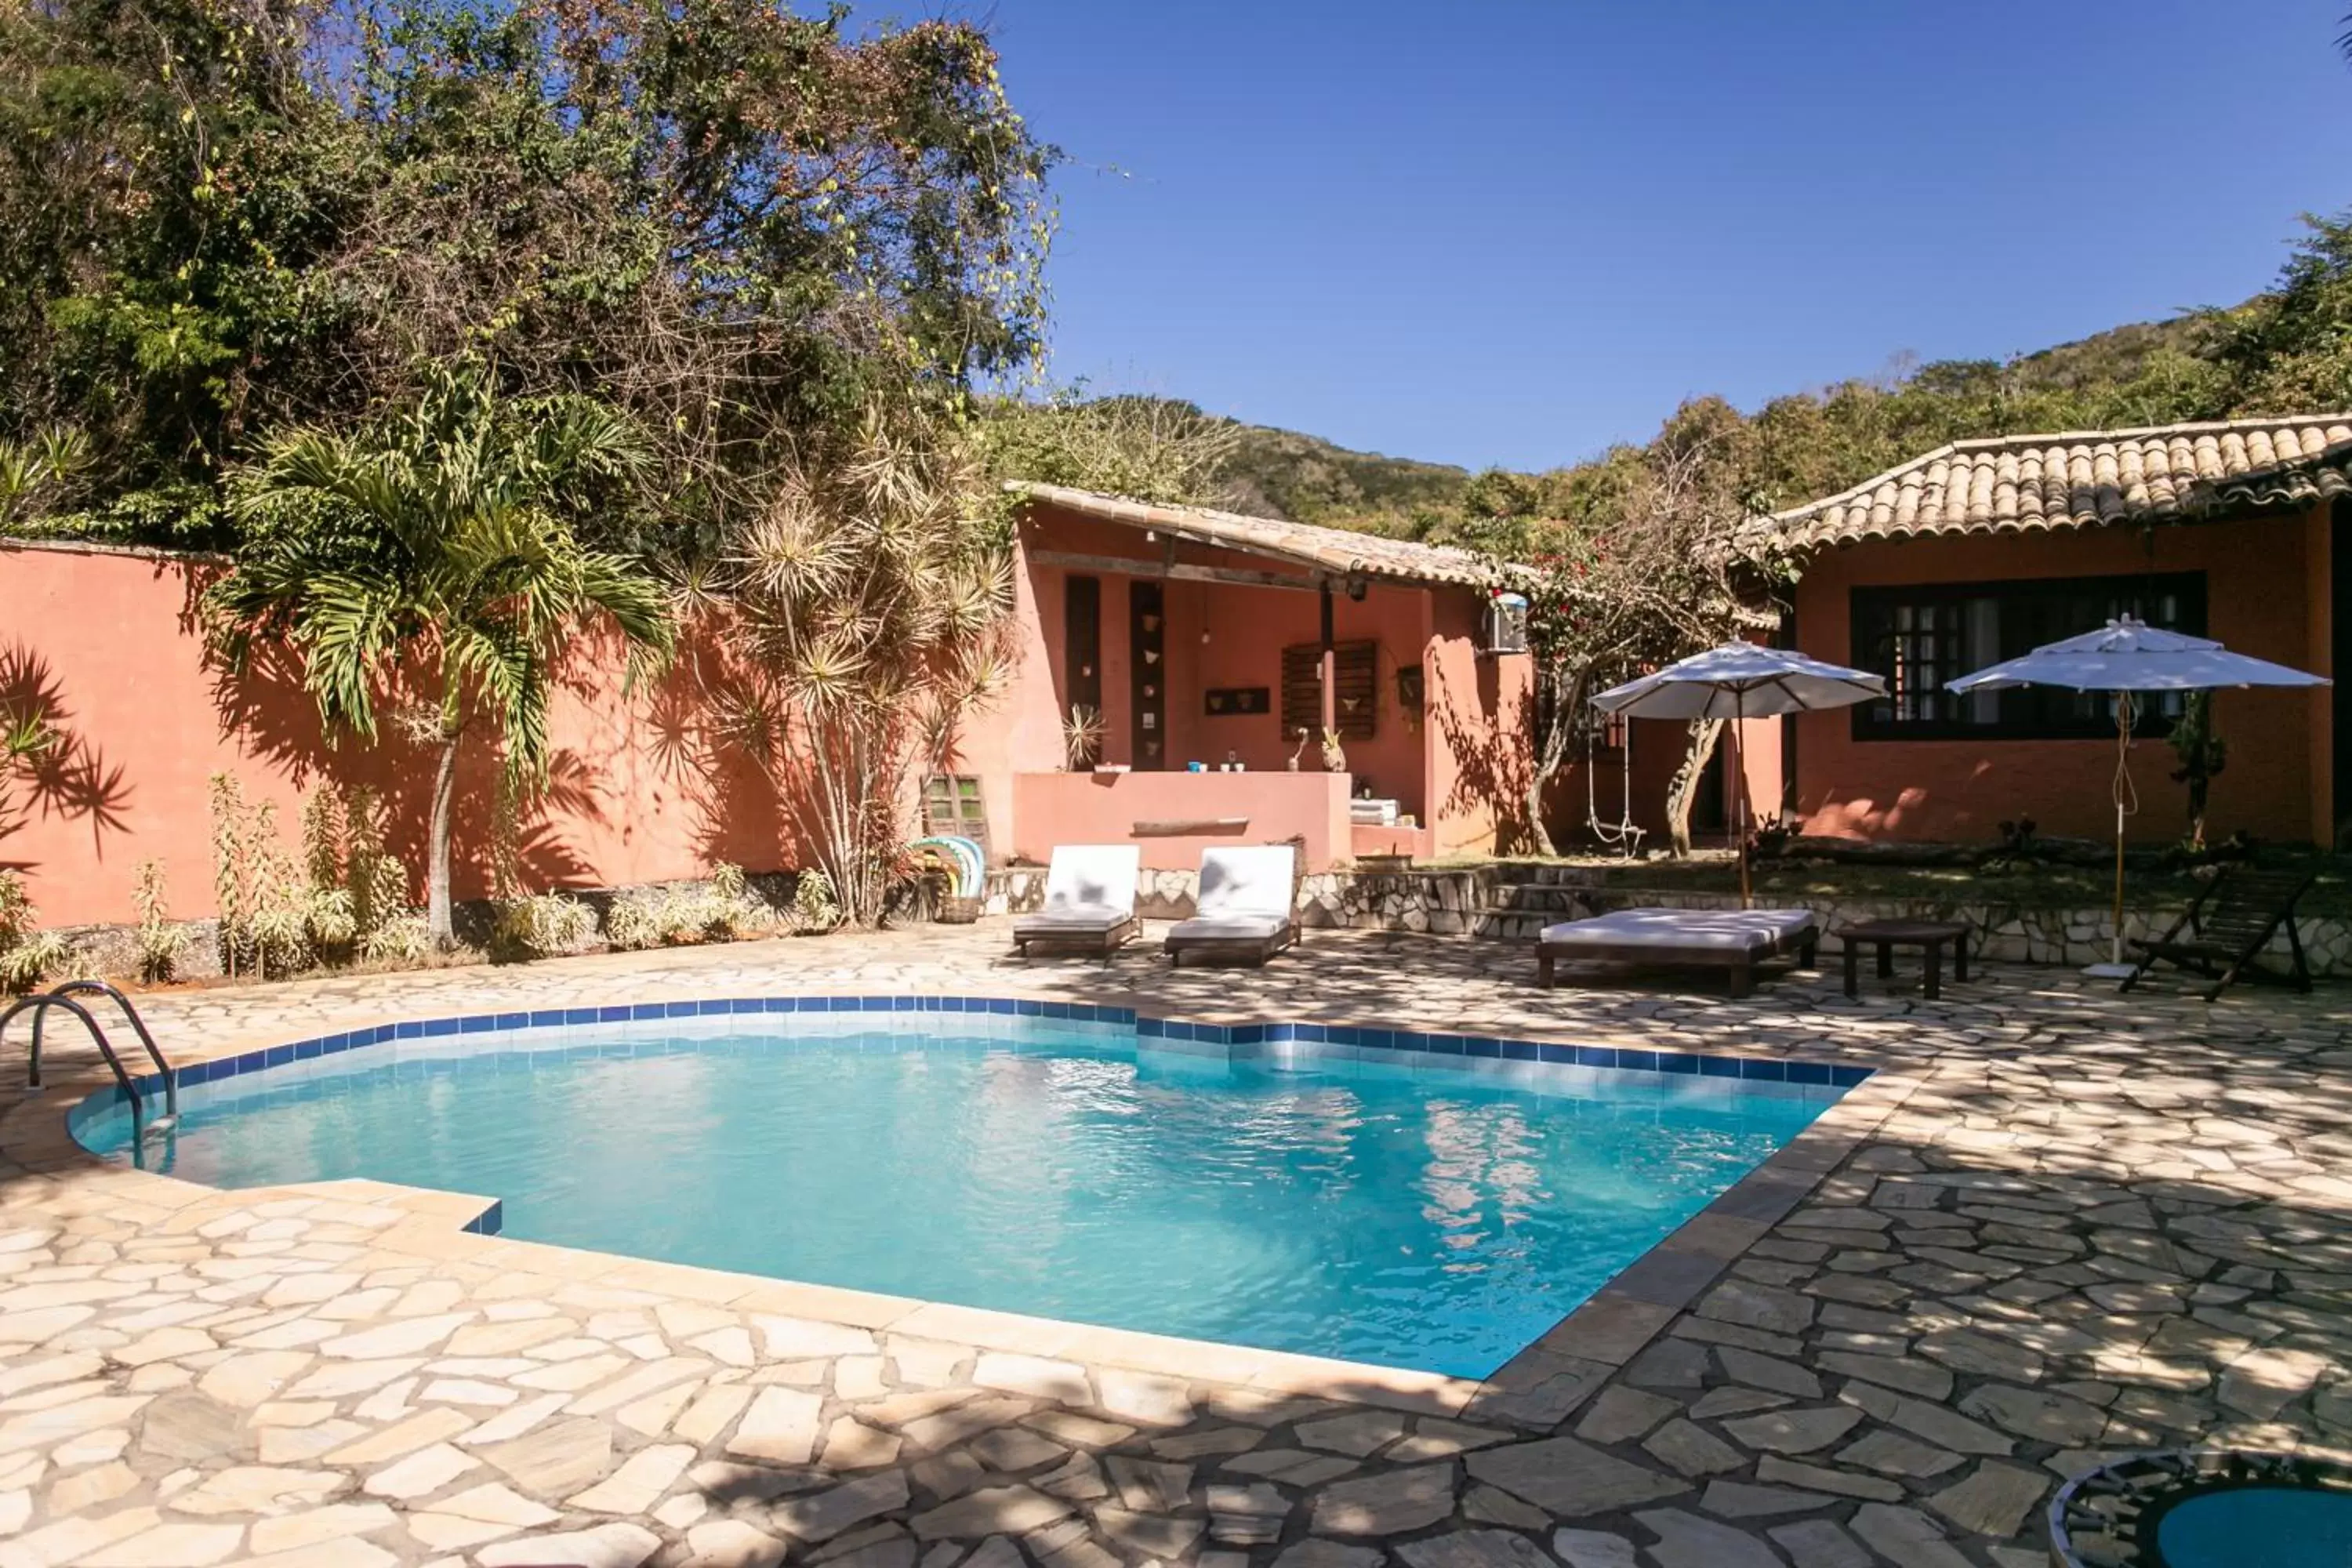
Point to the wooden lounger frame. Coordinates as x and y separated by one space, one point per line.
1249 949
1103 943
1741 966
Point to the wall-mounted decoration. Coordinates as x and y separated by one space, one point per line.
1229 702
1144 633
1410 696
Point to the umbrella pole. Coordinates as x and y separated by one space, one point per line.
2115 968
1739 793
2122 762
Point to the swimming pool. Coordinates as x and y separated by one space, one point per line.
1430 1201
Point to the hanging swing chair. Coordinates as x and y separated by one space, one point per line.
1621 835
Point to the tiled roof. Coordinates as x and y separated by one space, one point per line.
2087 479
1333 550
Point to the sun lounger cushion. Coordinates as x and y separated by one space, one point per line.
1254 881
1246 896
1228 927
1089 887
1091 918
1704 934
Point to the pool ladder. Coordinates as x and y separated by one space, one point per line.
141 1130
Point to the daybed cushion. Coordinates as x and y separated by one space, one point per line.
1254 881
1710 932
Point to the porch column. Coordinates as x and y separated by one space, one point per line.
1329 671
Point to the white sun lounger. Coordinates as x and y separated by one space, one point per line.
1089 900
1733 939
1244 906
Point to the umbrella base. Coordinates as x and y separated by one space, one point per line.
2109 971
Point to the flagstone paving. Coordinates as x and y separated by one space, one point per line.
2093 1224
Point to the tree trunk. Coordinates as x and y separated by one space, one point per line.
1683 790
1551 750
436 870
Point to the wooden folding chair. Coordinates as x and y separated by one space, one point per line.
2229 925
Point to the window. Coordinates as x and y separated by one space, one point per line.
1921 639
1355 666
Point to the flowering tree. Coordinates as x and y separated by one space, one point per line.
1645 571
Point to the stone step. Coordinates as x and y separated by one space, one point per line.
1539 898
1508 925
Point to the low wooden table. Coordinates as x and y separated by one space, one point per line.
1930 936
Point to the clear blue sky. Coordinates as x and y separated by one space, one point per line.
1508 231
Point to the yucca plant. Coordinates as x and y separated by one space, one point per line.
868 606
1082 737
36 471
442 539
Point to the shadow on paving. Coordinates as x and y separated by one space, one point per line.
2096 1225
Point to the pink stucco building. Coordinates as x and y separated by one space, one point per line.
1982 550
1199 636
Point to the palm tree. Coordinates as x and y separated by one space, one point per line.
442 539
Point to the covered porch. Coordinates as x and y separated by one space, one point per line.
1213 652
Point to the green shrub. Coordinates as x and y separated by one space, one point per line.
634 922
27 953
542 926
160 941
402 940
814 908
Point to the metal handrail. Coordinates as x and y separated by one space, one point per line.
39 1004
139 1025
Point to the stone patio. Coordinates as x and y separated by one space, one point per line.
2071 1224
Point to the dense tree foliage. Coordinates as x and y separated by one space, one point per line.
742 226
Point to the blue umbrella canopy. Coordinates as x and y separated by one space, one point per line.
1741 680
2127 654
2124 657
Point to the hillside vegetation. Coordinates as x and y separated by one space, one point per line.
2285 351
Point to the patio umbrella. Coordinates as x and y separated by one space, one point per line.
1741 680
2123 658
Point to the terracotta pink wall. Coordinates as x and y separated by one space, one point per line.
107 644
1104 809
2266 587
1478 738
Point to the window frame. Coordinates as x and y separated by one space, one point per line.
1872 605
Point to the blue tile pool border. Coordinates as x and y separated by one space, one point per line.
1764 1070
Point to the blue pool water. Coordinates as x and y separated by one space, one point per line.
2258 1527
1364 1205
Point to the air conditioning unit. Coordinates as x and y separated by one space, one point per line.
1506 625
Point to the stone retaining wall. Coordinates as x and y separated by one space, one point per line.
1449 903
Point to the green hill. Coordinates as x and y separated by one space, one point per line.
1305 478
2145 372
1800 445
